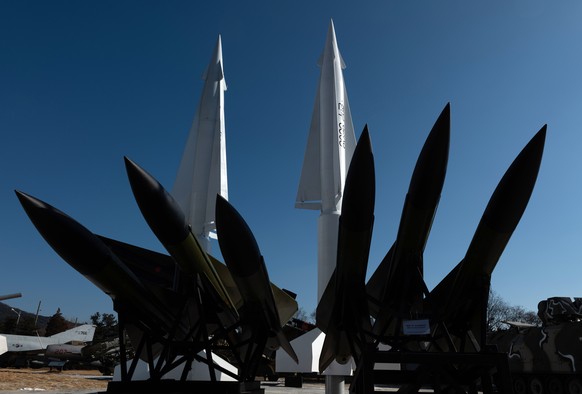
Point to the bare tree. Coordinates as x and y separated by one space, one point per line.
499 312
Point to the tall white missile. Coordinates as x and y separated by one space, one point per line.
202 172
330 147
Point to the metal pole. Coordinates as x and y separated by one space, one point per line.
334 384
18 313
37 312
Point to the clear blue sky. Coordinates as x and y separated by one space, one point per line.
83 83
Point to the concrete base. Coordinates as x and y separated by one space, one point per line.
198 372
3 345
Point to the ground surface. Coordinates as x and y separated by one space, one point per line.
16 381
44 380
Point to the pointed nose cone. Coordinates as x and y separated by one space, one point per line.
510 198
237 243
331 51
214 71
158 207
72 241
30 204
360 187
429 173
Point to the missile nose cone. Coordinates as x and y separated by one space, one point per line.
72 241
510 198
237 243
28 202
360 187
429 173
158 207
214 70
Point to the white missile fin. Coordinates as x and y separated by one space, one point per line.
202 173
220 75
309 191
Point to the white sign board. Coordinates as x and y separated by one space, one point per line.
416 327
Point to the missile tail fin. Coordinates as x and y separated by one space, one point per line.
376 283
327 355
285 345
309 190
325 307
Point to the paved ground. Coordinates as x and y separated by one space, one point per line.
270 388
19 381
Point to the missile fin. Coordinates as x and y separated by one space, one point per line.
327 355
377 281
286 305
284 343
309 191
147 265
326 305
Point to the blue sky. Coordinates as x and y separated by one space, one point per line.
83 83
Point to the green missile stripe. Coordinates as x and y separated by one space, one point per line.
228 282
193 260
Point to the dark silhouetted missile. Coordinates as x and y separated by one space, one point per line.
342 313
397 284
90 256
460 299
167 221
245 262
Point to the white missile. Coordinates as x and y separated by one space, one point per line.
330 147
202 172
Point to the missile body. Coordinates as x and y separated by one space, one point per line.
169 224
342 312
460 299
202 172
330 146
397 284
246 264
91 257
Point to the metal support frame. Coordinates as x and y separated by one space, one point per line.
179 352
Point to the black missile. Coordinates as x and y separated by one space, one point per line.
166 219
460 299
243 258
397 283
342 313
90 256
